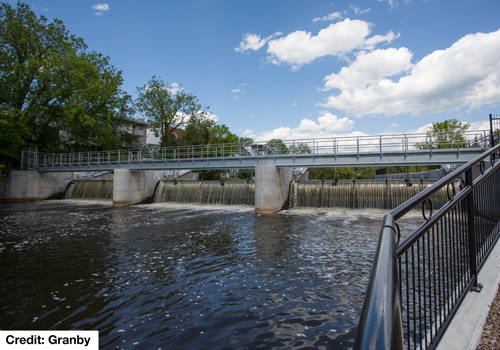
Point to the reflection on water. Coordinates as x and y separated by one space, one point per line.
172 276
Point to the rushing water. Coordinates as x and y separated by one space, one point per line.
176 277
92 190
362 194
206 192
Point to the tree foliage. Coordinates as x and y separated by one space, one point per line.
277 146
300 148
167 108
445 135
52 91
331 173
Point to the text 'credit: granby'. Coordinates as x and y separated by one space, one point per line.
70 340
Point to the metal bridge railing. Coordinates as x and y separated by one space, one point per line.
417 285
405 143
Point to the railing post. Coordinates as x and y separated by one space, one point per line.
380 144
476 287
357 147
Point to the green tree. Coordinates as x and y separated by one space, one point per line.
198 130
277 146
221 134
332 173
48 84
445 135
300 148
167 108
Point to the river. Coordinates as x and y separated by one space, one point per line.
166 276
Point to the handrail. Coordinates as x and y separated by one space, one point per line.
359 145
437 264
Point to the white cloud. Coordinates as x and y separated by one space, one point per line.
235 90
392 3
394 125
294 104
339 38
357 9
467 74
328 125
254 42
329 17
101 7
175 88
370 68
44 9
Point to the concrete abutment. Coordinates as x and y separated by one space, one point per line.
135 187
272 185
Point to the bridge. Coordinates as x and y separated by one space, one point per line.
359 151
136 173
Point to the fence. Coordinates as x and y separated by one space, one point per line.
405 143
417 285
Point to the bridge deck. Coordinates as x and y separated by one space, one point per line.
380 150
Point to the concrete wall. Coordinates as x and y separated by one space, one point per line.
53 185
32 185
134 187
272 185
3 188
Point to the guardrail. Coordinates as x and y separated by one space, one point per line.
417 285
404 143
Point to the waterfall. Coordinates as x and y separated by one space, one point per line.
206 192
361 194
91 190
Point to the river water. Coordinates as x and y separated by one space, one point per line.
165 276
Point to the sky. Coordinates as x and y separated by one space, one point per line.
305 69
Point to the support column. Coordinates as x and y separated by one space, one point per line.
23 185
272 185
134 187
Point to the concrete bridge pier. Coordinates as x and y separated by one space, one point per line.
134 187
272 185
22 185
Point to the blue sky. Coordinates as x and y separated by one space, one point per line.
303 69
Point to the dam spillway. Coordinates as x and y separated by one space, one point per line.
206 192
90 190
346 194
360 194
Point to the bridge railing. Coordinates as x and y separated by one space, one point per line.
330 146
417 285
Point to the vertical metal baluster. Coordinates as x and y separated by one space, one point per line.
424 289
419 295
408 307
472 237
414 300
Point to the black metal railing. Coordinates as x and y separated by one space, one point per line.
417 285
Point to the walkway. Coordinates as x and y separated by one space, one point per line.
380 150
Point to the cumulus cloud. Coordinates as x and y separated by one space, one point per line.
294 104
467 74
253 42
329 17
235 90
327 125
101 8
358 10
339 38
370 67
